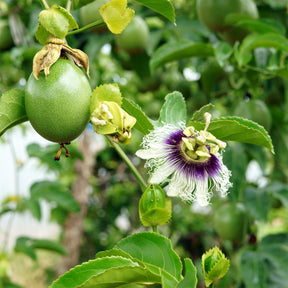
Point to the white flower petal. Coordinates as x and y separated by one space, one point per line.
201 193
146 153
179 186
162 173
221 181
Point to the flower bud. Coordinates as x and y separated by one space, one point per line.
107 116
215 265
154 208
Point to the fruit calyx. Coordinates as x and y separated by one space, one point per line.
58 154
57 48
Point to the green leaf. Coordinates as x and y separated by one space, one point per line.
12 109
274 249
214 265
260 26
11 285
54 192
222 52
173 51
199 114
48 245
173 110
190 278
257 202
143 124
105 272
269 40
22 245
168 281
34 207
155 251
116 277
28 245
279 191
254 270
236 161
163 7
237 129
116 15
117 253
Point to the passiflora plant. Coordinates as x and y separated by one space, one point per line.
183 149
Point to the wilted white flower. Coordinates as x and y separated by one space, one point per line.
190 157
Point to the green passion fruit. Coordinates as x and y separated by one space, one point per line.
135 36
58 105
6 40
230 221
90 13
213 13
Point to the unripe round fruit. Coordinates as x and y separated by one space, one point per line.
58 105
212 13
90 12
255 110
230 221
135 35
6 40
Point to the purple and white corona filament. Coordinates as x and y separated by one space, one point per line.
190 157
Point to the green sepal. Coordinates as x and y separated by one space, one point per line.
199 114
154 208
106 92
173 110
215 265
57 21
157 216
42 35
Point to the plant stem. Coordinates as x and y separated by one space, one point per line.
45 4
129 163
68 5
99 23
155 230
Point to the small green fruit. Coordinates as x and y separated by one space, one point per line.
135 36
5 39
213 13
90 13
58 106
230 221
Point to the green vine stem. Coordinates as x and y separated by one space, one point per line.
45 4
68 5
155 229
128 162
99 23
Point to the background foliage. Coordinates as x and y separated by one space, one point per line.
246 78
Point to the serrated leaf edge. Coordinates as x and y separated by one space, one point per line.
156 235
261 130
86 263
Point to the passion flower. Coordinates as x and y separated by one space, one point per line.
191 157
